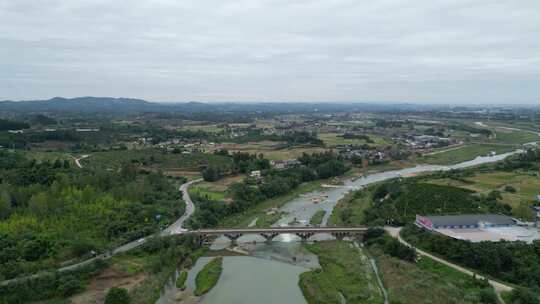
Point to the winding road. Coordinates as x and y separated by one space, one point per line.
178 226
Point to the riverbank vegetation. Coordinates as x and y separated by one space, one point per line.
181 280
208 277
350 210
317 218
156 263
345 272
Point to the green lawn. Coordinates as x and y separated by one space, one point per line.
208 277
345 270
204 192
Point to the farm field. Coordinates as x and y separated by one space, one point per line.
271 149
335 139
204 128
152 159
464 154
506 136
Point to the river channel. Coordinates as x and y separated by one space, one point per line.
269 273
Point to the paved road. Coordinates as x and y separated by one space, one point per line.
498 286
178 226
175 228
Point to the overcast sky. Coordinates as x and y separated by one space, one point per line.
476 51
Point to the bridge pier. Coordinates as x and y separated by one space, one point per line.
304 236
341 235
233 237
268 236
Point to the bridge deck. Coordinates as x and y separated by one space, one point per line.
279 230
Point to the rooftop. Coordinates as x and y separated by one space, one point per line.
470 219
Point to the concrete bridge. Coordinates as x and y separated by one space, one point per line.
270 233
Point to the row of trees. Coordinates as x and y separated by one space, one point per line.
12 125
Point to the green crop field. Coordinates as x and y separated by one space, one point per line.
515 137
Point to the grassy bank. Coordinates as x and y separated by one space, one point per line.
345 272
181 279
317 218
266 220
208 277
350 209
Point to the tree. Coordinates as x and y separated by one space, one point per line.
117 295
5 204
510 189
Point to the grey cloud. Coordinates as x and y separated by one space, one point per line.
272 50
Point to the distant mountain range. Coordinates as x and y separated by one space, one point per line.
129 105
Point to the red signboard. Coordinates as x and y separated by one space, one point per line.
424 221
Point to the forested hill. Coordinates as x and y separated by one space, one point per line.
79 104
127 105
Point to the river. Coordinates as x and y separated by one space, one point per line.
270 273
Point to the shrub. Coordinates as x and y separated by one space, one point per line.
117 296
510 189
69 285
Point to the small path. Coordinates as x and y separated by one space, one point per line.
78 160
497 286
379 281
375 271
